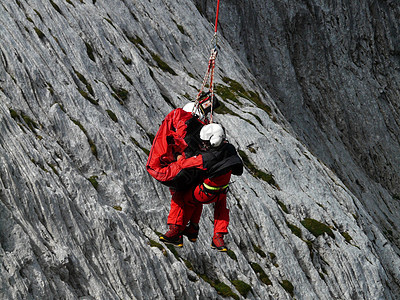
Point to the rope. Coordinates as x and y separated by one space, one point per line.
210 69
216 18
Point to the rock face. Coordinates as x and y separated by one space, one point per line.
84 86
333 69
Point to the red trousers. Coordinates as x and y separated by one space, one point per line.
188 205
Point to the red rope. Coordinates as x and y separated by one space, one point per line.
216 18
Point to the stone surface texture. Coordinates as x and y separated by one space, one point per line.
310 92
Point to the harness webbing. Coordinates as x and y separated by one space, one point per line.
215 188
210 70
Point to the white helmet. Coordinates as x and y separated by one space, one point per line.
214 133
189 107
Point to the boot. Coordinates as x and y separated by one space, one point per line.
173 236
192 232
218 242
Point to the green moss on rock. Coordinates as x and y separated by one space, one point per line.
53 167
39 33
295 230
14 115
256 172
55 6
231 254
112 115
137 41
283 206
162 64
317 228
92 145
85 95
126 76
120 94
156 245
258 250
85 82
173 250
221 288
138 145
272 255
260 273
234 89
226 93
224 290
188 264
346 236
93 181
287 286
127 60
90 51
242 287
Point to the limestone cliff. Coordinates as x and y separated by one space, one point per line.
84 86
332 68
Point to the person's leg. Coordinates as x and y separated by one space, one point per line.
175 216
221 222
214 190
175 220
195 219
211 188
221 215
182 210
192 209
192 229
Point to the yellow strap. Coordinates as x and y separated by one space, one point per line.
215 188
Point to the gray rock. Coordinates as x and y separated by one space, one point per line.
332 68
83 88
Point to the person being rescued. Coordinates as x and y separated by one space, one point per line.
196 162
220 161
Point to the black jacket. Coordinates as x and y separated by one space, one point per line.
221 160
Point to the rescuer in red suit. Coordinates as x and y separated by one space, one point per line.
174 158
177 137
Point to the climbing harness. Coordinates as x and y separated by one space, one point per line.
215 188
206 100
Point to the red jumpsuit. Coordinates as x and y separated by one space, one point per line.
168 142
188 205
187 202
